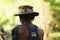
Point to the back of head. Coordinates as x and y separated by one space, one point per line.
27 17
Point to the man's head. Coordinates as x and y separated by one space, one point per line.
26 18
26 13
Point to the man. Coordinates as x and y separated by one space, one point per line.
27 30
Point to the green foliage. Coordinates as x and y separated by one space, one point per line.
7 8
49 1
54 36
4 21
46 0
56 10
55 7
55 4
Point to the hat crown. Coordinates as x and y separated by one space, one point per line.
25 9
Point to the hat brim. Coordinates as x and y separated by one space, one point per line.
33 13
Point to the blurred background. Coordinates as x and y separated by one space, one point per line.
48 19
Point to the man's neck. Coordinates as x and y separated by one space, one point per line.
30 23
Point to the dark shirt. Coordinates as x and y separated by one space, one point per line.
33 33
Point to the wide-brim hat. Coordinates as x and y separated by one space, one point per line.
26 10
33 13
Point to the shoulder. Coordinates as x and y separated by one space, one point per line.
41 31
15 27
39 28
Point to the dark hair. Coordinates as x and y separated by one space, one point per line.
27 17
